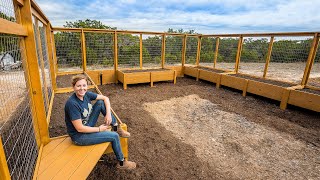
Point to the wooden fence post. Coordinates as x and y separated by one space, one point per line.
32 69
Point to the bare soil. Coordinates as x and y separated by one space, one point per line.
144 70
191 130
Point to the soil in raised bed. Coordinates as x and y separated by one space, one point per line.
143 70
212 70
192 130
268 81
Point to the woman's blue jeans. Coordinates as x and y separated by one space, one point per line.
84 139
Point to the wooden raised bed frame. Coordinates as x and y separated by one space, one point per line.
287 94
146 76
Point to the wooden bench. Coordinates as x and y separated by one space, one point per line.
61 159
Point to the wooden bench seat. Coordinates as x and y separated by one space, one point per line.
61 159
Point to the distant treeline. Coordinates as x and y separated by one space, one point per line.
99 48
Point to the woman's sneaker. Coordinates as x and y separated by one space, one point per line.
127 165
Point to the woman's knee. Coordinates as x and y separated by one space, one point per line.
100 102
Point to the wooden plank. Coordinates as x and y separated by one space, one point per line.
190 71
50 157
50 108
162 76
19 2
73 164
163 50
69 73
198 51
52 145
232 81
208 75
216 52
140 51
284 99
83 51
140 77
120 76
184 47
304 100
38 16
178 70
265 90
8 27
268 57
68 165
36 169
88 164
74 155
107 76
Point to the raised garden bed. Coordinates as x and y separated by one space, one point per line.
204 73
136 76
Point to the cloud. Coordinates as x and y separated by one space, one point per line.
204 16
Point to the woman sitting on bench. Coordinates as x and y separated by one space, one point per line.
81 117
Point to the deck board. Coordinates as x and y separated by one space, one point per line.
64 160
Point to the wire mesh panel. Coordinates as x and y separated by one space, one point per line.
191 50
44 48
314 77
68 51
151 50
16 127
253 55
173 50
99 49
228 47
40 63
208 47
288 58
128 51
7 10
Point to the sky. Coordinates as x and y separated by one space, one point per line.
203 16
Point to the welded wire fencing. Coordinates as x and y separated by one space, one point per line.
68 51
314 77
151 49
128 51
41 63
208 47
289 57
253 55
16 127
7 10
173 52
99 50
228 47
46 63
191 50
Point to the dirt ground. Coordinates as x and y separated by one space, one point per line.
192 130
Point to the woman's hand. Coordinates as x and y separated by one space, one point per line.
108 119
103 128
